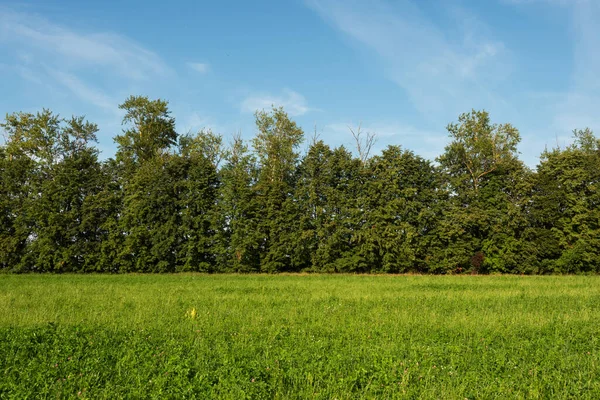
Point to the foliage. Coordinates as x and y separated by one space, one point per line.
170 203
275 145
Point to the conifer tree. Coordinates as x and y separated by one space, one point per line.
239 211
309 208
400 211
480 152
50 170
275 145
336 251
565 211
196 186
149 217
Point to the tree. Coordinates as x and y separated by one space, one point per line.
364 144
309 208
57 170
399 212
478 148
239 211
169 193
29 153
275 144
194 173
150 131
480 167
342 216
205 142
565 204
149 217
16 189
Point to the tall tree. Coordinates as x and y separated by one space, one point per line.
275 144
149 218
565 206
308 210
149 131
400 211
57 170
477 149
67 238
336 250
481 156
30 147
194 173
16 192
239 211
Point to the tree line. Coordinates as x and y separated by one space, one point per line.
169 202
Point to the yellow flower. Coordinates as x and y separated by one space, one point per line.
192 313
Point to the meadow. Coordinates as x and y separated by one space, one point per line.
299 336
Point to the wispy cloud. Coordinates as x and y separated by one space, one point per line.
581 104
578 106
93 67
76 49
442 76
194 121
76 71
202 68
86 92
293 102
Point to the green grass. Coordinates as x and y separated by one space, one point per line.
315 336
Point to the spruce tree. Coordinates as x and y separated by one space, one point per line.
149 218
275 144
565 207
400 211
238 211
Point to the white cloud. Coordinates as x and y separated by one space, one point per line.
441 75
78 71
79 50
86 92
577 107
293 103
95 68
192 122
202 68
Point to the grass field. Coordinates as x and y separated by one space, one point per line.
315 336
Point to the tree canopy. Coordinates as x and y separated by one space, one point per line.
170 202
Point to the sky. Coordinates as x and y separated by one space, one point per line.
401 69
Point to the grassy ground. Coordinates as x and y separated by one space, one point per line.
138 336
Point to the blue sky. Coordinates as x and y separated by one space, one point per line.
403 69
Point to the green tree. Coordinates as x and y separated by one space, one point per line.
16 190
477 149
150 131
196 181
401 200
481 170
239 211
66 238
50 170
30 148
275 145
103 211
308 210
565 204
148 211
336 250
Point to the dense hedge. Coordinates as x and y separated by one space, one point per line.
170 202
